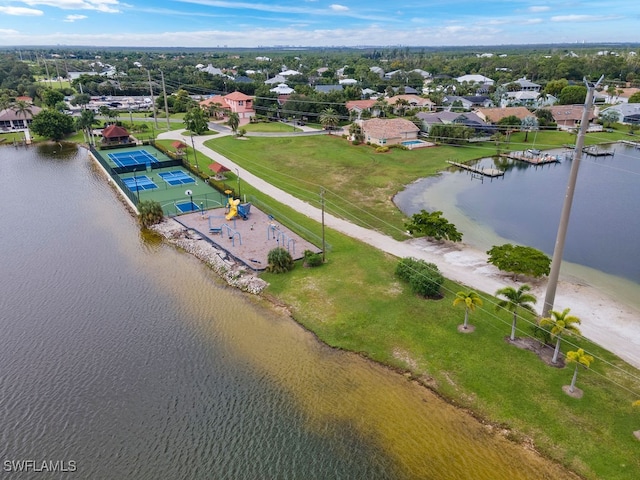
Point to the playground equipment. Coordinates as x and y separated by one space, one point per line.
236 208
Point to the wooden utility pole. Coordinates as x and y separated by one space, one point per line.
166 104
153 102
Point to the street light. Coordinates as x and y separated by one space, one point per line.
135 179
189 193
238 174
195 158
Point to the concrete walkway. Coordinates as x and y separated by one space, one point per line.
604 320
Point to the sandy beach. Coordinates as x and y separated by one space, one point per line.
605 320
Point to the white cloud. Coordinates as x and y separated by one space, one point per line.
21 11
338 8
106 6
574 18
538 9
6 31
73 18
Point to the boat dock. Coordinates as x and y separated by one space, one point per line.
631 144
529 157
486 172
596 152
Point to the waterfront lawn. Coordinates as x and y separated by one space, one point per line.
360 183
269 127
355 302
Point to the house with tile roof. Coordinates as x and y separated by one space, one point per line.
236 102
356 107
468 119
568 117
628 113
414 101
384 132
494 115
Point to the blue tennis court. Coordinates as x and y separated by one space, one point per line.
176 177
127 159
139 183
185 207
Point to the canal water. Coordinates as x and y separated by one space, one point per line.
524 207
131 360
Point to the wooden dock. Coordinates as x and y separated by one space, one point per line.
596 152
631 144
532 159
486 172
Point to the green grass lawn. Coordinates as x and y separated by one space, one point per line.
355 302
269 127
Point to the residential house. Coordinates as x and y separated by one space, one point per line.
525 98
211 70
414 101
278 79
356 107
468 119
282 89
347 81
392 131
483 101
236 102
390 75
11 119
628 113
568 117
328 88
494 115
422 73
525 85
477 79
289 73
377 70
450 100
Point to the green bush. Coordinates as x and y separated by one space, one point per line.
312 259
424 278
279 261
382 149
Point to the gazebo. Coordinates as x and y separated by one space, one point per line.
219 170
115 135
179 146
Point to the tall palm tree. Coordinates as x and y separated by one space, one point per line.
85 121
401 105
234 121
514 299
329 118
560 323
470 300
580 358
23 109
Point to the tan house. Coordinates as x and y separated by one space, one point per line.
392 131
356 107
414 101
569 116
12 119
494 115
236 102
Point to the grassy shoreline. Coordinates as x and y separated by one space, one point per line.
369 312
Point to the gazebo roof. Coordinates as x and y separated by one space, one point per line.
217 168
178 145
114 131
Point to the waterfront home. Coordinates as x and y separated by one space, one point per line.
384 132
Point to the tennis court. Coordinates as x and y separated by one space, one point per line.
137 183
138 157
176 177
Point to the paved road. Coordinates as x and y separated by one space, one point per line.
604 320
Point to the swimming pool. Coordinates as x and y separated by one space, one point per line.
410 143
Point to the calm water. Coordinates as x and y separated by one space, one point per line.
524 207
132 360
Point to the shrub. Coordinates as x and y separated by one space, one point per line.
312 259
382 149
150 213
279 261
424 278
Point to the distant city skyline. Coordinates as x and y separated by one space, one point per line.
315 23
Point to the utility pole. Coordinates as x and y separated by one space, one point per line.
166 104
324 246
556 262
153 102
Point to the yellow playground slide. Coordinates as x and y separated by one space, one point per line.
233 208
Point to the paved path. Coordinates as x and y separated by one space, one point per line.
604 320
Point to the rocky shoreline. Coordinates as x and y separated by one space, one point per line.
235 274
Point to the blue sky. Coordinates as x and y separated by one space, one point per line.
212 23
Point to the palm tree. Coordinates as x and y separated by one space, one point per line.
470 300
580 358
23 109
401 105
329 119
560 323
514 299
529 123
85 121
233 121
